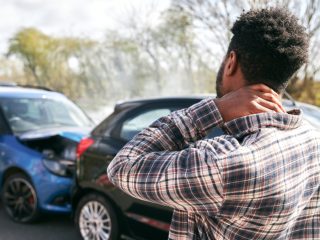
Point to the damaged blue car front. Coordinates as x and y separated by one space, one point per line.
39 132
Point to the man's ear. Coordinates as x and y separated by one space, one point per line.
231 64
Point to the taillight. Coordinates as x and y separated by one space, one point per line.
83 145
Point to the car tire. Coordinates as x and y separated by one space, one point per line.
19 199
96 218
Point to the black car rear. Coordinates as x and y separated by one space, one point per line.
102 211
126 216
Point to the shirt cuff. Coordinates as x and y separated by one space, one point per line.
206 114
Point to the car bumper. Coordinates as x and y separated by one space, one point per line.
54 193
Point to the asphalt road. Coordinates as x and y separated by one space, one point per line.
49 227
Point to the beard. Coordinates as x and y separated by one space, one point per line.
219 80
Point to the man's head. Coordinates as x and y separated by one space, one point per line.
268 46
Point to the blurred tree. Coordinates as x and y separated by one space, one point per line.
11 71
32 47
46 59
114 69
176 52
214 18
171 52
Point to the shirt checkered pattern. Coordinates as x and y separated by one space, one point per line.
258 181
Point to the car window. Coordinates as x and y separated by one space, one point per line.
141 121
136 124
61 114
30 114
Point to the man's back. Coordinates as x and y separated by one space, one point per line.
259 181
271 176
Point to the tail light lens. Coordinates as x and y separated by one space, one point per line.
83 146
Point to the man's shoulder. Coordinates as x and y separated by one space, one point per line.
223 145
309 129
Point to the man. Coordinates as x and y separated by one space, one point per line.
258 181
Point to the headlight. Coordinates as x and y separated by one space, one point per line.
61 168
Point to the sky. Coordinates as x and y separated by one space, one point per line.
83 18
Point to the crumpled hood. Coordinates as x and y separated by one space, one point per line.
72 133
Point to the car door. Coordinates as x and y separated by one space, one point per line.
109 142
138 210
5 138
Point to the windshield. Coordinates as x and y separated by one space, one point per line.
31 114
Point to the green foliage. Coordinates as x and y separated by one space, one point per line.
45 59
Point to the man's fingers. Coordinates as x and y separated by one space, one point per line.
253 99
259 108
271 98
271 106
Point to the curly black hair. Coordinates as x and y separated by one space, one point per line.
270 45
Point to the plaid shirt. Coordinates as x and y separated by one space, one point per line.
259 181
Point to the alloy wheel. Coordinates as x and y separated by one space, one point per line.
20 199
95 221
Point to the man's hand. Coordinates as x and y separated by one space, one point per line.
248 100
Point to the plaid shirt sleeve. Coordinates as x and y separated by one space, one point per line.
166 164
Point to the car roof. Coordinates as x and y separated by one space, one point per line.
143 101
289 104
27 92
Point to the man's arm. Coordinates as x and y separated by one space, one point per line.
160 165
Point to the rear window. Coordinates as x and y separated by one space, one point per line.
136 124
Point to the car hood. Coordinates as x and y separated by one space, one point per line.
72 133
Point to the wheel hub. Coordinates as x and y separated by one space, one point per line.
94 221
20 201
16 195
95 224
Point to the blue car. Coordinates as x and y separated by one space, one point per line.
39 132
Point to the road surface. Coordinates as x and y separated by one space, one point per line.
50 227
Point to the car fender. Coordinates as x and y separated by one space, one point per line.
15 155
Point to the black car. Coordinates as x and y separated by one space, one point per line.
125 215
102 211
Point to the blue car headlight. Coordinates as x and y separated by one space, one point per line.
61 168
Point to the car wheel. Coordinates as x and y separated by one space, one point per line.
20 199
96 219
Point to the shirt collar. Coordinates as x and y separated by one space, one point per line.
252 123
